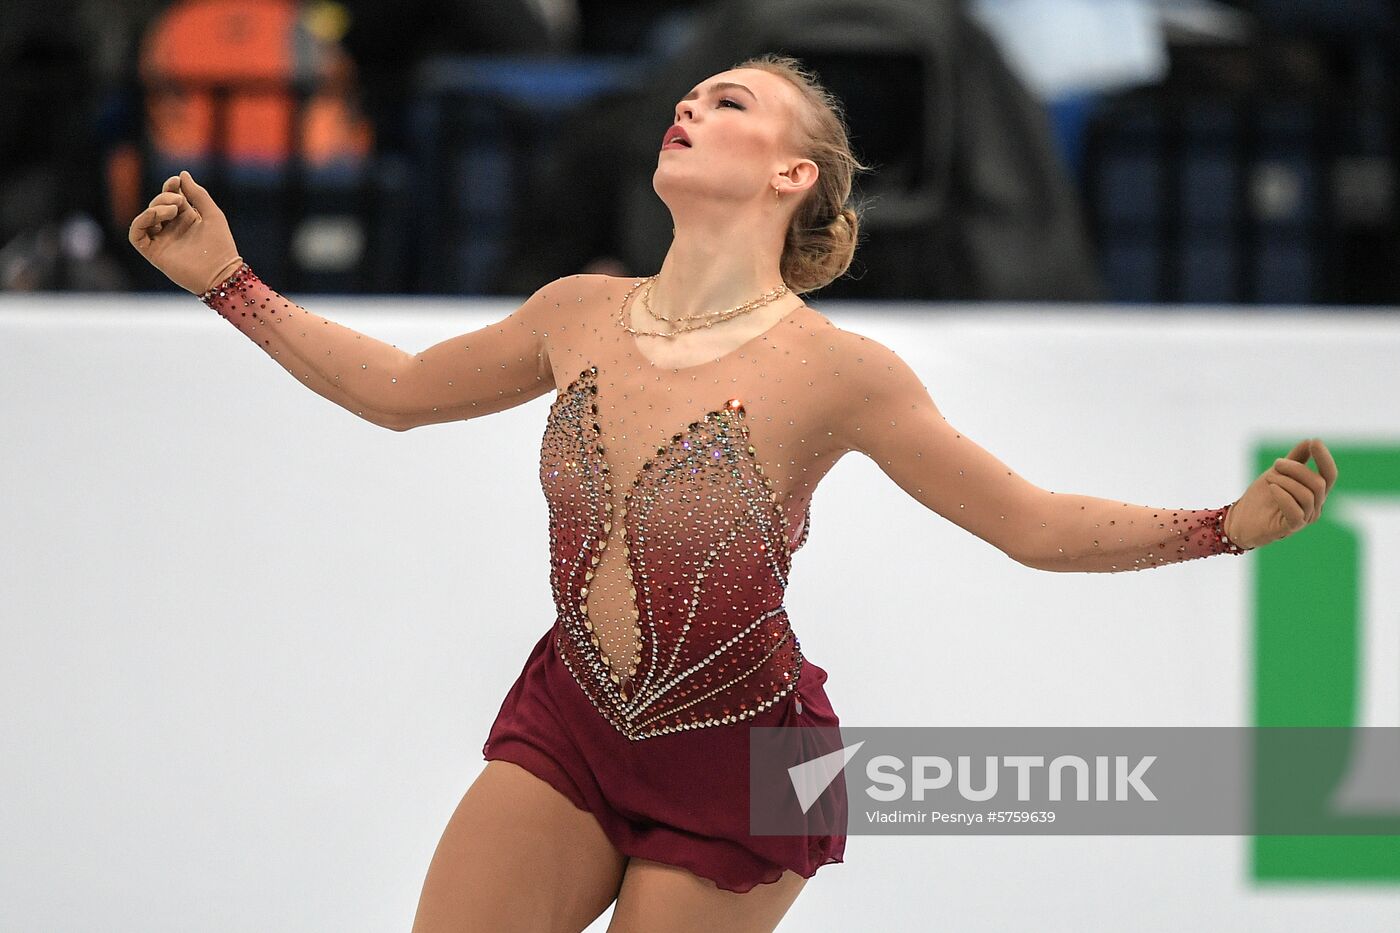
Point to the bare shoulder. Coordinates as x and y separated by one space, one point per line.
876 385
582 286
868 362
560 304
587 292
615 282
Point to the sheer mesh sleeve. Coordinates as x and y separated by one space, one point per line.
488 370
889 416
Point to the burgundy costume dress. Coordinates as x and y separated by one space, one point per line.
677 496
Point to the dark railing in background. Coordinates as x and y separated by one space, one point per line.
1191 194
1259 192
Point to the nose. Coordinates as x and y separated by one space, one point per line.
685 107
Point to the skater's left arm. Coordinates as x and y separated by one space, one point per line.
886 413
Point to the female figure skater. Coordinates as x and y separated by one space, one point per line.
696 410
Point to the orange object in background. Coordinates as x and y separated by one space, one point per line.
272 41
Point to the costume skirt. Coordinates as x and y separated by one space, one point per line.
682 798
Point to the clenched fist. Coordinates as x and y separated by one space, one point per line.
1285 497
185 235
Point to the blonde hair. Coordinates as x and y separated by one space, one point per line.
821 239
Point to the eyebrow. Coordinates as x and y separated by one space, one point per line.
719 86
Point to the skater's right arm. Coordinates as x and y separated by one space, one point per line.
185 235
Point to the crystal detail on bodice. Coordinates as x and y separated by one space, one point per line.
706 558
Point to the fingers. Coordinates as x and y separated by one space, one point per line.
1316 485
169 197
1325 464
199 198
1300 451
1292 512
1300 492
179 195
1297 490
136 234
152 219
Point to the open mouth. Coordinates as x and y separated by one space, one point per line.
675 136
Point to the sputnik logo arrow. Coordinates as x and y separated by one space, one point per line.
810 778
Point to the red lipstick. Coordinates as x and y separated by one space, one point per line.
676 138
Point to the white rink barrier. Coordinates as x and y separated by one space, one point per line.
252 644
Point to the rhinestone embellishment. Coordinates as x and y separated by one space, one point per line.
704 561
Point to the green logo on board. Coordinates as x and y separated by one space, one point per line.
1327 653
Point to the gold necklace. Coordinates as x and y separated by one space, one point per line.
758 302
710 318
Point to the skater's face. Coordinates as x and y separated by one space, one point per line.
743 135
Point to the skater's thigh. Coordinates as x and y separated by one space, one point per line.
518 855
660 898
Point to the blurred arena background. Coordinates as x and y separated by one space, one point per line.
250 648
1120 150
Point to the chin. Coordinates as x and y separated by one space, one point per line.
666 184
671 185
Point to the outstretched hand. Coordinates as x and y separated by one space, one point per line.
1285 497
184 234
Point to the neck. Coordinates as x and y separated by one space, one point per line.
718 263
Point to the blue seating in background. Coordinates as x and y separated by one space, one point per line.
1069 115
479 126
1203 200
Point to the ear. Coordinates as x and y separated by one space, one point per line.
797 178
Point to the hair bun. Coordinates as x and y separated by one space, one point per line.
821 236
